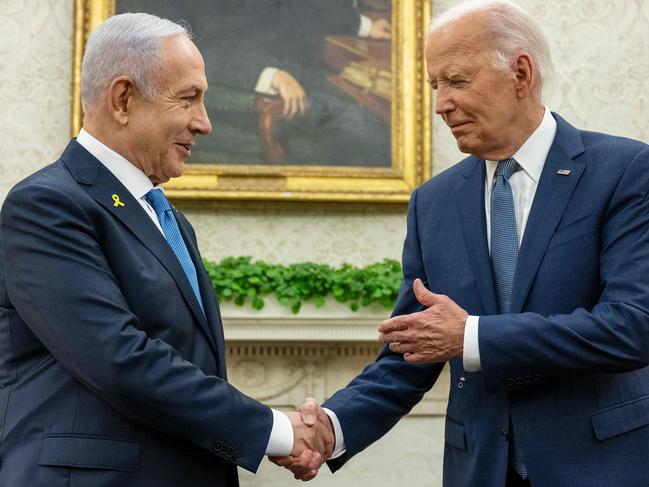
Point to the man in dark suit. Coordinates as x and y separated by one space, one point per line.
536 250
112 368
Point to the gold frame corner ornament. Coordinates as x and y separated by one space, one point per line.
205 184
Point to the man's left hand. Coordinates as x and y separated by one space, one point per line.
433 335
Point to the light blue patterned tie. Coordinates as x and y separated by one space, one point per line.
504 239
162 208
504 252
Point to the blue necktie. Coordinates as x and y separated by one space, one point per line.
504 239
162 208
504 252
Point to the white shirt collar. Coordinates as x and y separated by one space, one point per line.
134 180
532 154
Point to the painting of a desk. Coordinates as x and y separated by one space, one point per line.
363 67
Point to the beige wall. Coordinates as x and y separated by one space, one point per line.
599 46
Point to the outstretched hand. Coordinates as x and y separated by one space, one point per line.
435 334
313 441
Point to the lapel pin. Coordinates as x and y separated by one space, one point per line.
116 200
564 172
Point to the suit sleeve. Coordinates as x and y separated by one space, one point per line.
62 286
613 336
390 387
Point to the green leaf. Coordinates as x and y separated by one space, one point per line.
292 285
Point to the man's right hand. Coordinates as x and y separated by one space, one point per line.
292 93
313 442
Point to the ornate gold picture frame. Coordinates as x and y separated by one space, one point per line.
407 114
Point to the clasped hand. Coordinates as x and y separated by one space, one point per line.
435 334
313 441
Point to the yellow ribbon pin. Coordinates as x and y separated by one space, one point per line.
117 201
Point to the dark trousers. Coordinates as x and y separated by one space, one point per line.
515 480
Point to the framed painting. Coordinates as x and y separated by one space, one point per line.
310 100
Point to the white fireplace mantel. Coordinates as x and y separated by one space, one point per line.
280 358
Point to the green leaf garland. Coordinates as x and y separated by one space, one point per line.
241 280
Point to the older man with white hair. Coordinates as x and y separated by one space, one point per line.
526 268
112 362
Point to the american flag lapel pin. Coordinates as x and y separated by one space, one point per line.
563 172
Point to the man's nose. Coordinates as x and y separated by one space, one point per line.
443 101
201 122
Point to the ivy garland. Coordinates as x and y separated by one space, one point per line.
240 279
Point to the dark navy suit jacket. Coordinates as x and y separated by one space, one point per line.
569 364
110 374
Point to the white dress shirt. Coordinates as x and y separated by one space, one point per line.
134 180
138 184
531 157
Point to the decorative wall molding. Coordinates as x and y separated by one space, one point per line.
274 322
280 358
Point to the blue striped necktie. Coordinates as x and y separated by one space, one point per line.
162 208
504 252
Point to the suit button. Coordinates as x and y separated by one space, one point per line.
504 434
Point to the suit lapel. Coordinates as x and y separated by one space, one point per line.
207 292
550 202
470 204
101 185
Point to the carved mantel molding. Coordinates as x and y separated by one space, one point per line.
280 358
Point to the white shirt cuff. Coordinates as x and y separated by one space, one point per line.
339 447
264 83
365 27
280 443
471 356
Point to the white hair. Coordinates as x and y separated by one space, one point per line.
125 45
511 30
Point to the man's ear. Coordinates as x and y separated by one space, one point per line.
121 93
525 71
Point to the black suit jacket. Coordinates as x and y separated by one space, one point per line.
110 374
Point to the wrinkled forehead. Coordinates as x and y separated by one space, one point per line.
180 48
182 59
464 41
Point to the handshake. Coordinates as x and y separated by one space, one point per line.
313 441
